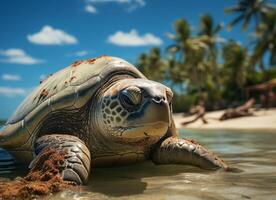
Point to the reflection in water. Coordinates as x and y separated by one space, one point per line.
253 152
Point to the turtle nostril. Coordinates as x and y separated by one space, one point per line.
158 99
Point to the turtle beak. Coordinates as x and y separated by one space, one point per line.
152 121
159 110
155 109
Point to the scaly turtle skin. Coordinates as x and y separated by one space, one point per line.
100 112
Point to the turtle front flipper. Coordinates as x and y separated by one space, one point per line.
175 150
77 160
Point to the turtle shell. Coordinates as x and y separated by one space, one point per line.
70 87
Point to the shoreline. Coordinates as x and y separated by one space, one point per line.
262 120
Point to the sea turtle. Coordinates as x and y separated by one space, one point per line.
100 112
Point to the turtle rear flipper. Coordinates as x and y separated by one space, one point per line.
76 165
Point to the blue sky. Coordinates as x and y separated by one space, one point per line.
39 37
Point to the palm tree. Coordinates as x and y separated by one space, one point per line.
265 41
265 20
207 27
177 71
181 36
188 52
193 59
234 68
248 10
142 63
152 65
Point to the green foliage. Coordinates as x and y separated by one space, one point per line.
203 66
183 103
152 65
265 40
235 64
271 73
249 10
264 16
254 77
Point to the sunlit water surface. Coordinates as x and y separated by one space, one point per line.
252 152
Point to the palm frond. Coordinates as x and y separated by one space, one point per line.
235 21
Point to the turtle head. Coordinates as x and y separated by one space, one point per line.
135 111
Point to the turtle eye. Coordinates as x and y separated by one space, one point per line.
131 96
169 95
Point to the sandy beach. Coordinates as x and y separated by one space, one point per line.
262 119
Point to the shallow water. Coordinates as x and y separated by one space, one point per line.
252 152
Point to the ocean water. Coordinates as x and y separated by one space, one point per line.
253 152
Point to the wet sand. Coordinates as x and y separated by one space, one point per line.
261 120
43 179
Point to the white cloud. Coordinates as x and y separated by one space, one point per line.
90 9
136 4
133 39
50 36
11 77
79 53
18 56
132 4
12 92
